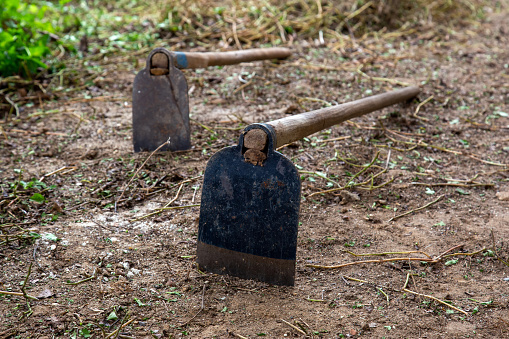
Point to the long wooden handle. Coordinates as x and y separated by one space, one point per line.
298 126
202 60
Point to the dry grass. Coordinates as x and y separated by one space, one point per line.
247 23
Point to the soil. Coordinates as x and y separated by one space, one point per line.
445 165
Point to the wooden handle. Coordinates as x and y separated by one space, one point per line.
201 60
298 126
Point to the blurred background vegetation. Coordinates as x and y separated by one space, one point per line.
48 45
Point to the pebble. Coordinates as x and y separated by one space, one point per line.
506 279
504 196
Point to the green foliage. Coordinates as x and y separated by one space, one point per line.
25 30
37 197
22 43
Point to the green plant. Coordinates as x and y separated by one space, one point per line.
24 37
28 35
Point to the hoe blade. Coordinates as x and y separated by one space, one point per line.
160 105
249 216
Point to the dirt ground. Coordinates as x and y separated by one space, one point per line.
443 158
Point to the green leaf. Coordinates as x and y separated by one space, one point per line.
37 197
451 262
139 302
460 191
429 191
34 235
85 332
112 316
174 293
489 253
51 237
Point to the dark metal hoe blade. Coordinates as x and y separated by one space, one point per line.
160 105
249 214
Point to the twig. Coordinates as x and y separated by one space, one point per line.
3 133
321 176
443 149
354 279
240 88
335 139
419 107
301 325
7 333
315 300
369 262
117 331
392 81
417 209
386 296
205 127
138 170
25 295
351 182
386 253
465 254
365 168
495 250
451 184
441 255
294 327
35 258
239 336
13 104
19 294
179 207
165 208
436 299
84 280
369 282
201 308
57 171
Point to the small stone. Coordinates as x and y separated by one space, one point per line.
349 196
130 274
503 196
373 325
135 271
353 332
46 293
506 279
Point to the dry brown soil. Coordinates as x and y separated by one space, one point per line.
453 155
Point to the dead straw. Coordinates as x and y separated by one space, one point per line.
138 170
